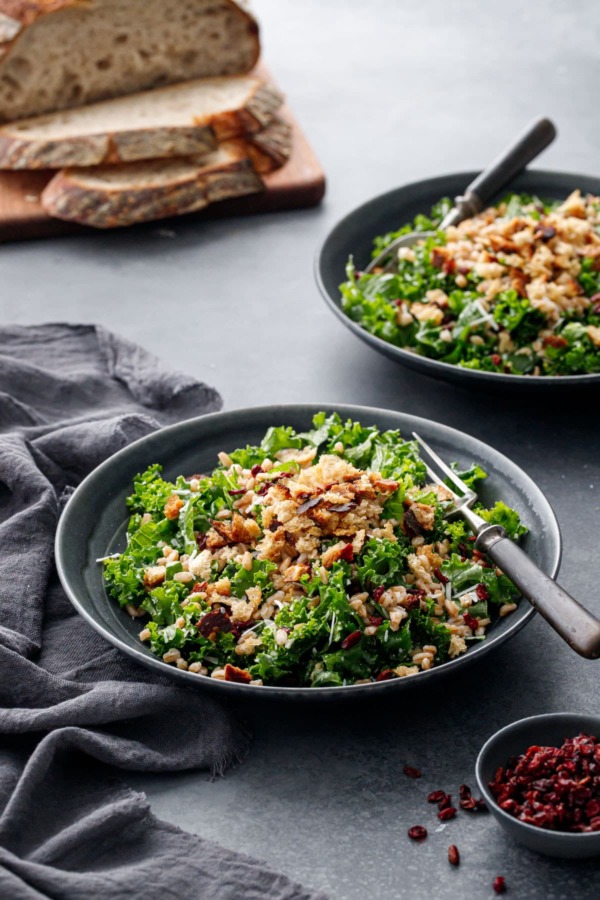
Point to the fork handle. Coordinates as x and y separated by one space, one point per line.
505 167
573 622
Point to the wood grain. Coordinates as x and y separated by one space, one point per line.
299 183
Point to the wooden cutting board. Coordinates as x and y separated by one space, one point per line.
299 183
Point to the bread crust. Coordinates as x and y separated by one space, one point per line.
16 16
68 197
18 151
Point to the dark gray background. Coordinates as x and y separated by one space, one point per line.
388 92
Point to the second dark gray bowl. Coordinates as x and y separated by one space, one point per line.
353 236
547 730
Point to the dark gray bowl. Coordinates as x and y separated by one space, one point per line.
354 234
547 730
95 518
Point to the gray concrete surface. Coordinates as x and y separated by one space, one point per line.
388 92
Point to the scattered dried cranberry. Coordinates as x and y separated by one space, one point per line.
237 493
453 855
499 885
378 593
440 577
496 359
470 621
557 788
435 796
445 814
445 802
376 620
200 540
464 791
482 592
255 470
417 833
469 803
412 772
351 640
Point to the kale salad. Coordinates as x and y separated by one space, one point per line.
321 558
515 289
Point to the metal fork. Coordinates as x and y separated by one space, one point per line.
528 145
572 621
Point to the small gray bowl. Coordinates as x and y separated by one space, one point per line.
547 730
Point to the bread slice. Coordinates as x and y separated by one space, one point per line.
115 196
180 120
58 54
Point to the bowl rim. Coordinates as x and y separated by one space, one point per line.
154 662
436 367
505 818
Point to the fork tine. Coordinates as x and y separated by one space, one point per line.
444 467
436 478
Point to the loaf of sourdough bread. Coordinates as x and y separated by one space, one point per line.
58 54
180 120
118 195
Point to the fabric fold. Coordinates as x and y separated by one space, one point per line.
73 710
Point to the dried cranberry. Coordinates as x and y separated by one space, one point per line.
385 675
200 540
482 592
213 622
237 493
376 620
412 772
445 802
469 803
464 791
351 640
255 470
499 885
445 814
440 577
347 553
412 601
453 855
435 796
470 621
496 359
378 593
417 833
555 340
262 490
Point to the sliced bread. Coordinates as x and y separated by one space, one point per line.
115 196
57 54
180 120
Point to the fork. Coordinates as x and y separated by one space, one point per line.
528 145
572 621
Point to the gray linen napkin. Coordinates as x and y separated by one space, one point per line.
71 705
